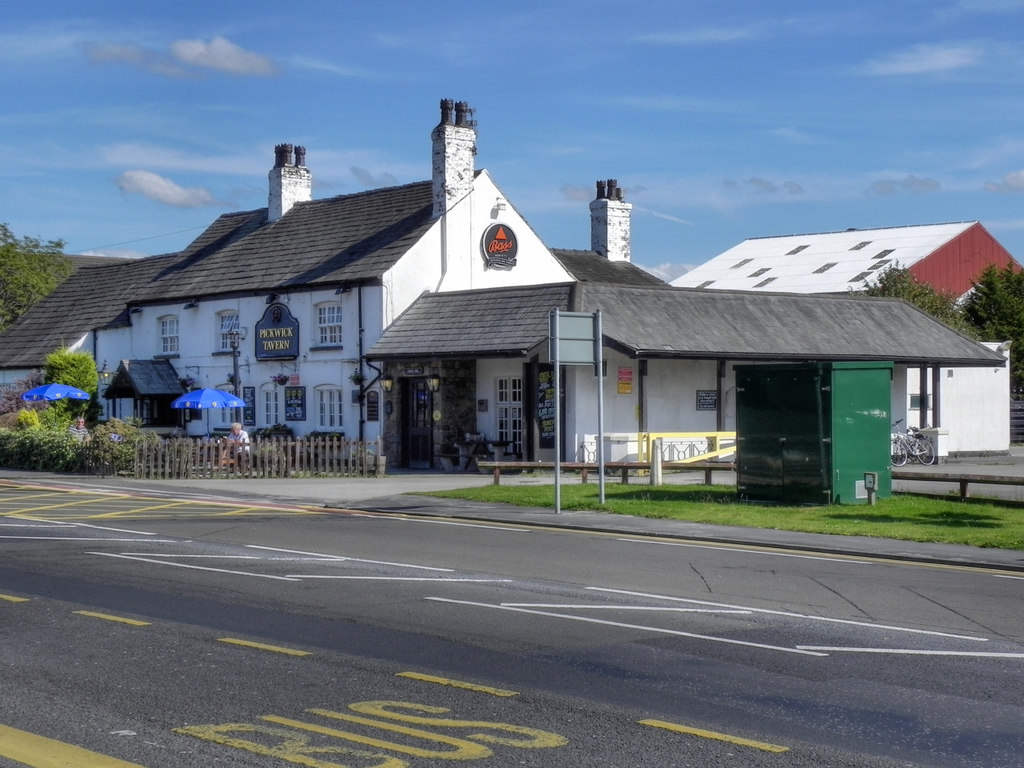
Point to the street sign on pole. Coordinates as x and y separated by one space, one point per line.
575 339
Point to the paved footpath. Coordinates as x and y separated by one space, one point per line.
399 493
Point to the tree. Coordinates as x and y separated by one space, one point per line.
996 308
29 271
898 283
77 369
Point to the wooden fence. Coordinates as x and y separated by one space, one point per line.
274 457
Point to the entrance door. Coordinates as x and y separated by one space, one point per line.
418 424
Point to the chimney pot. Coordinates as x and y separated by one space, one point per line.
300 156
446 111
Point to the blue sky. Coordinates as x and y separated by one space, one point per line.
128 127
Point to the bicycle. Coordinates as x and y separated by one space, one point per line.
911 445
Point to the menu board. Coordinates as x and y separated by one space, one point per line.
249 411
294 403
546 405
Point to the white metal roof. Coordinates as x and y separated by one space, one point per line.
829 262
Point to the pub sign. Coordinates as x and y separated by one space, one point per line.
277 334
499 246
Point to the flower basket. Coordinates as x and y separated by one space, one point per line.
280 379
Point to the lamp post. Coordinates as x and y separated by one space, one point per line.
234 337
105 376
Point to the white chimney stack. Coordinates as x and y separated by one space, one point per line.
610 222
289 184
454 147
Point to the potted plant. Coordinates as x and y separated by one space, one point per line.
280 379
187 383
357 378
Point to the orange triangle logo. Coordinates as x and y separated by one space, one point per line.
500 235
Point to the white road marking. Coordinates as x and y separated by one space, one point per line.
84 538
342 558
913 652
659 609
790 614
398 578
640 627
193 567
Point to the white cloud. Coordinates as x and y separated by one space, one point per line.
1011 182
223 55
925 59
911 183
666 271
162 190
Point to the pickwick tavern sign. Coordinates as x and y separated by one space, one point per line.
499 246
277 334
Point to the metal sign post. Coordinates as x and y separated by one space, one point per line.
575 339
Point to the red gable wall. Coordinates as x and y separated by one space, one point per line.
954 267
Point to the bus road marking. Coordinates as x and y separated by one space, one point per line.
41 752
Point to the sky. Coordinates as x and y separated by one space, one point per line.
128 127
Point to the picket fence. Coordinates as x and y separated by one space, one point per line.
270 457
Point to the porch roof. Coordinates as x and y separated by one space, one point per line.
683 323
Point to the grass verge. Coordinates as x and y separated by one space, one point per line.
976 522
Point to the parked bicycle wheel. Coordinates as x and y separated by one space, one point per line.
924 451
899 453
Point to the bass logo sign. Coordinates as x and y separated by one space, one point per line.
499 247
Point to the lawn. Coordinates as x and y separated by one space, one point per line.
979 523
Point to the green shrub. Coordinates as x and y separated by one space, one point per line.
40 450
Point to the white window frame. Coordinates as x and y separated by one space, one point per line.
329 407
226 322
329 324
270 403
169 338
508 411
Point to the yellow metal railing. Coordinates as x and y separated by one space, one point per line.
687 447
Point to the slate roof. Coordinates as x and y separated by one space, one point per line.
144 378
669 322
827 262
590 267
486 323
345 239
92 297
349 238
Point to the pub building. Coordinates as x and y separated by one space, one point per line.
419 314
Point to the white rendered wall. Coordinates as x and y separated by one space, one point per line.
974 407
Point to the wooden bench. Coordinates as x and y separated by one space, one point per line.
963 480
586 467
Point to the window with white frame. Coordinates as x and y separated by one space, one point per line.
328 408
271 406
226 322
169 335
509 411
328 323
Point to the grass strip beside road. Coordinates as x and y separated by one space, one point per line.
977 523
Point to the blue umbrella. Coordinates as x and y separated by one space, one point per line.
208 398
54 392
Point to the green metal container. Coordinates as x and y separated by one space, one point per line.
810 433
